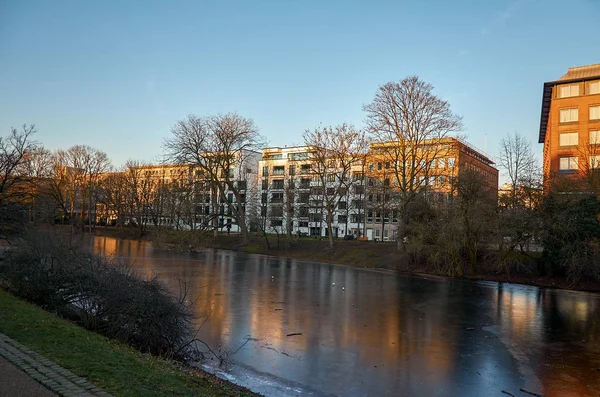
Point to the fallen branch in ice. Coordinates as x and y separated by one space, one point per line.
510 394
294 334
530 392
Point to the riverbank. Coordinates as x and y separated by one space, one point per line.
113 366
365 254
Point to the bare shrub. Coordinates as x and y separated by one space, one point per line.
102 295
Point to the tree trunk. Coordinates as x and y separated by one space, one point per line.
330 226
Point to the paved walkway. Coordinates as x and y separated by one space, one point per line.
49 374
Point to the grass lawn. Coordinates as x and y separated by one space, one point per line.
118 369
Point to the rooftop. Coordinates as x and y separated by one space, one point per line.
582 72
578 73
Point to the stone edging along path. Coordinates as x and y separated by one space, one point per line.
54 377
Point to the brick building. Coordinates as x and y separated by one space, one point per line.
570 124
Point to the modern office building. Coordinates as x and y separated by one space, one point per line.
440 163
570 124
293 197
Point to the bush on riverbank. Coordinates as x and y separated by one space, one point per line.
102 295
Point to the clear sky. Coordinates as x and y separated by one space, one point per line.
116 75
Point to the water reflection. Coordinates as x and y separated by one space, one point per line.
369 333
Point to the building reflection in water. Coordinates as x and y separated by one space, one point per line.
370 333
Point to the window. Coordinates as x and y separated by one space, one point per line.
379 166
277 184
342 205
594 87
441 180
594 161
595 112
298 156
569 139
342 218
595 137
292 170
303 213
277 198
265 171
265 184
276 222
277 211
355 218
441 163
451 162
331 178
242 185
314 217
569 115
567 164
305 169
303 224
304 197
566 91
278 170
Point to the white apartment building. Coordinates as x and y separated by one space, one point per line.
293 198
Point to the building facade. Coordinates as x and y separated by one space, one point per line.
293 198
441 163
181 196
570 124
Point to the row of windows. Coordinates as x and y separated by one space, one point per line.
571 90
571 163
571 115
572 138
435 163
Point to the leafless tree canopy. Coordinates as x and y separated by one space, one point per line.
14 150
516 158
217 145
334 151
411 118
407 121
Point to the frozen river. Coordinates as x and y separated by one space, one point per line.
293 327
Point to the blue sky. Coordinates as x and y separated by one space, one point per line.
116 75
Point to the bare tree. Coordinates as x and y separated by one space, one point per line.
114 196
87 164
218 145
334 151
407 123
13 174
519 164
13 151
589 163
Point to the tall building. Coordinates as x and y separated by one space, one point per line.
293 196
439 164
570 124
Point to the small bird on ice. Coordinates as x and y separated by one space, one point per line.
332 283
343 288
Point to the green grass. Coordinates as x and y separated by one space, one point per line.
108 364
